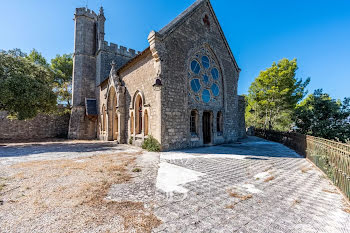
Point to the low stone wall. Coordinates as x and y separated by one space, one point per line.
41 127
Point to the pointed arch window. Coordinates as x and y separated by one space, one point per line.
138 114
194 123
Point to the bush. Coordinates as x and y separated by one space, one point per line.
151 144
131 140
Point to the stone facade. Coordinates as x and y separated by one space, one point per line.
41 127
182 90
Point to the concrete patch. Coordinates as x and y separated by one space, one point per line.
251 188
170 177
262 175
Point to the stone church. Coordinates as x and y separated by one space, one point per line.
182 89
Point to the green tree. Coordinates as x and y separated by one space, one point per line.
273 96
25 87
36 57
321 116
62 66
14 52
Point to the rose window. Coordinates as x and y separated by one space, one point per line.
204 78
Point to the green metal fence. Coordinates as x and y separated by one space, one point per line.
332 157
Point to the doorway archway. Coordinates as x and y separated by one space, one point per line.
207 127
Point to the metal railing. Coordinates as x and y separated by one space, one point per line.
332 157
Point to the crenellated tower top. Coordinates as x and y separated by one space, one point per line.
85 12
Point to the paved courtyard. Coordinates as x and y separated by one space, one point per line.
255 186
250 186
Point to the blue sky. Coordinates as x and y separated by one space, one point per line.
317 33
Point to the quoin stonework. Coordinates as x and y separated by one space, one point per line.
182 89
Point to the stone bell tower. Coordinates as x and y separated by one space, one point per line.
83 126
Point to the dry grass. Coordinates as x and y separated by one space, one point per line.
237 195
305 169
268 179
136 169
329 191
346 207
347 210
2 186
76 189
230 206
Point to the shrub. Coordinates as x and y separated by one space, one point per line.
130 140
151 144
136 170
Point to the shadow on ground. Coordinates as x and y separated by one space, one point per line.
251 146
26 149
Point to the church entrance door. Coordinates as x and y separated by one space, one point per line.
206 128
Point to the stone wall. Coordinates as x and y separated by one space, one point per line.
181 40
40 127
138 78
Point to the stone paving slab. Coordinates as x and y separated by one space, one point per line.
273 189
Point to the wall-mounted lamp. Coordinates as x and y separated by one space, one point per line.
157 86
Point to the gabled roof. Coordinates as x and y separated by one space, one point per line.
181 18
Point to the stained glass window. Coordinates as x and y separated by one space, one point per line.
204 78
205 62
195 67
215 90
195 85
215 73
206 96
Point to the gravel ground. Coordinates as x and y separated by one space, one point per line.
62 187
